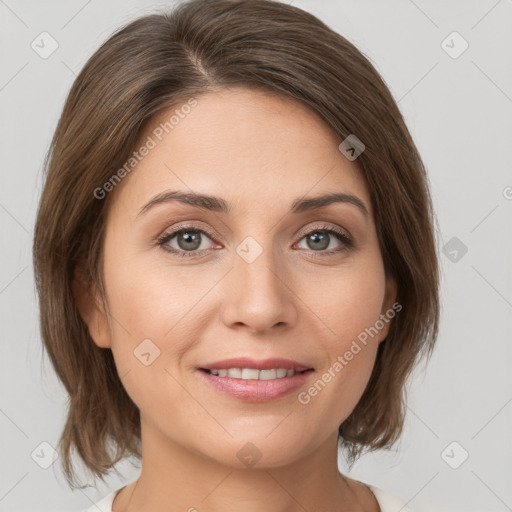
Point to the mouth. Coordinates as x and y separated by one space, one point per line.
253 381
254 373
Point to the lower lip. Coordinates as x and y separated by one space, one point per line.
252 390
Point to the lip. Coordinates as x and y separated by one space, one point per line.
252 390
262 364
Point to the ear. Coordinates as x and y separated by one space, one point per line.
91 310
389 306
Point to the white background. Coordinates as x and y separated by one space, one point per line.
459 111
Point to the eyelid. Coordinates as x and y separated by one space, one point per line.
175 229
324 227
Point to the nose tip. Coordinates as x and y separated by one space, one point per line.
256 296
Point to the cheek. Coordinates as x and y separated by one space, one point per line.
155 322
154 301
346 301
349 308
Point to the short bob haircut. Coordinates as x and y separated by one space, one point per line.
156 62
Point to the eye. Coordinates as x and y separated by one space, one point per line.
320 238
190 241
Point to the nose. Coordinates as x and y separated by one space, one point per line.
258 294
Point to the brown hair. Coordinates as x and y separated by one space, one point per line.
158 61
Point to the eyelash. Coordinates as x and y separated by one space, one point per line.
166 237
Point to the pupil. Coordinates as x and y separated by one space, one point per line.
319 237
191 241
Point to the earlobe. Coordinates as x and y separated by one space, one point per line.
91 311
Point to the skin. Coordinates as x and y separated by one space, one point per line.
259 152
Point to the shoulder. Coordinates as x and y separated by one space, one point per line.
388 502
104 505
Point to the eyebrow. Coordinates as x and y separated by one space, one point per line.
217 204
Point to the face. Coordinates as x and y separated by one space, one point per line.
188 286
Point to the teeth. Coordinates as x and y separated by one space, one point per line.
249 373
253 374
235 373
268 374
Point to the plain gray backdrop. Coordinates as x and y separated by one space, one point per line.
456 450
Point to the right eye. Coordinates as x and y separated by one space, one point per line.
189 240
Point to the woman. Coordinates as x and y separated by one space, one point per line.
201 157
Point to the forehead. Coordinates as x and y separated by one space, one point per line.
254 149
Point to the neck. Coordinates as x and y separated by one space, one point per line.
177 478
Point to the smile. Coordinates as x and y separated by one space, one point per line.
252 385
254 374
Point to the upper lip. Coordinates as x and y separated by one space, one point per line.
261 364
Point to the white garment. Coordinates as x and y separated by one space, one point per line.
386 501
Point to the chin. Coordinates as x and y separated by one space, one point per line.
256 452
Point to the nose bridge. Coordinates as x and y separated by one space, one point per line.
256 293
257 264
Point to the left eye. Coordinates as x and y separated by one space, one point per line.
319 239
190 239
